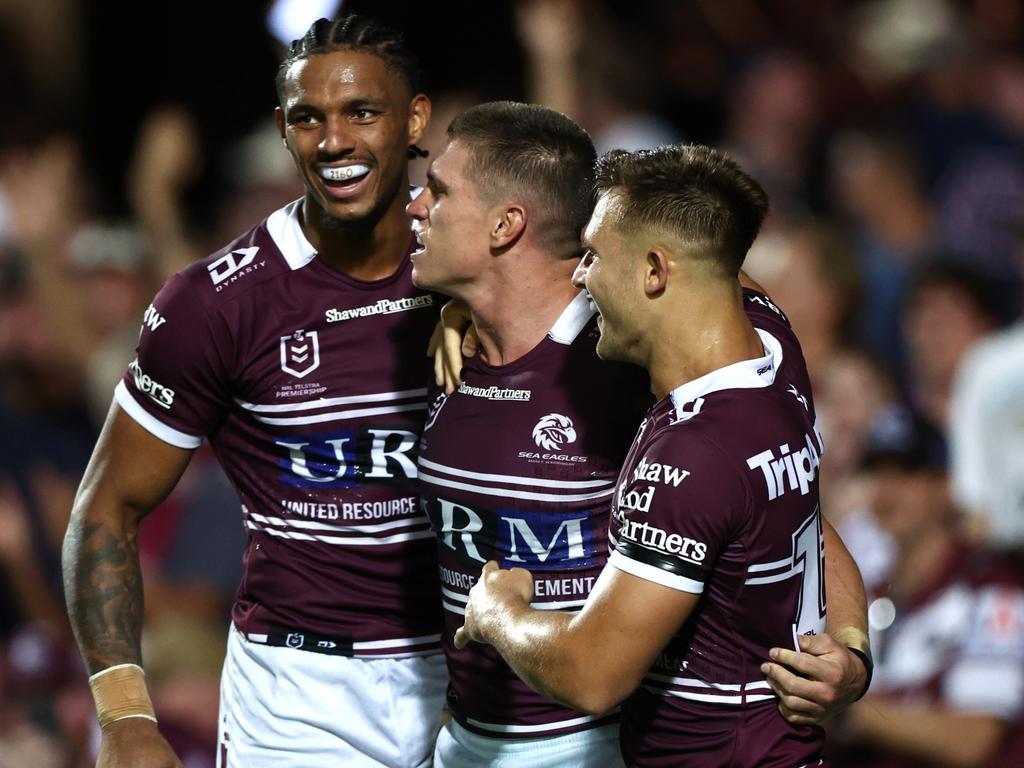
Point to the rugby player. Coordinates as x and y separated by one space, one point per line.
499 221
289 349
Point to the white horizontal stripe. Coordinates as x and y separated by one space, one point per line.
506 492
407 655
540 727
458 609
342 540
404 642
770 566
516 479
693 682
657 575
342 415
454 595
258 638
330 402
152 424
778 576
709 697
559 605
419 520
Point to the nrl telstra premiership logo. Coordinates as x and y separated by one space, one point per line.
300 353
553 432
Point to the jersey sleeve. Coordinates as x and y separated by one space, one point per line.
176 388
677 511
988 675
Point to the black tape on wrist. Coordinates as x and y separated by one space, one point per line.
869 667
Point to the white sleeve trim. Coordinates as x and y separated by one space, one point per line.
657 575
150 423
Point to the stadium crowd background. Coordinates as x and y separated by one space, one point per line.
888 133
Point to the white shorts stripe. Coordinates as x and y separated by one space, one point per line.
539 727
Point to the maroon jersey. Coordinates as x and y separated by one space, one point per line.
519 465
956 646
719 497
310 386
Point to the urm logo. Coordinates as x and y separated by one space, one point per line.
554 431
346 458
515 537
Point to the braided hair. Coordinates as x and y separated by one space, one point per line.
355 33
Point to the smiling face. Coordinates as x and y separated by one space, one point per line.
611 275
452 223
348 121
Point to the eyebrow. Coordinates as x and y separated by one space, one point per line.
433 180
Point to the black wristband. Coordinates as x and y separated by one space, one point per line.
869 667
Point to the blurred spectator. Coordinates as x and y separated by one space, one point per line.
948 309
986 429
773 123
947 634
594 68
852 395
877 189
810 273
112 270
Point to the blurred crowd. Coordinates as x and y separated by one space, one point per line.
890 137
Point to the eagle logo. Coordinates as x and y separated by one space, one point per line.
553 432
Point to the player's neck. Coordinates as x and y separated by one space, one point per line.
365 251
698 335
513 313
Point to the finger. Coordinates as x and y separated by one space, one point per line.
817 644
794 706
490 565
461 638
470 342
435 339
796 718
805 663
785 683
439 379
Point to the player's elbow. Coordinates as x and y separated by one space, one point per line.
597 694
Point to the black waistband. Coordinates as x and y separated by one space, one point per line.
303 640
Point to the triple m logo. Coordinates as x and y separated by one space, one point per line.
515 537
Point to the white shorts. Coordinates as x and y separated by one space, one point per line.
594 748
287 708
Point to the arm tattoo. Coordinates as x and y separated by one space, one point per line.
103 588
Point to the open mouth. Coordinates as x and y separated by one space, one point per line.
420 247
345 179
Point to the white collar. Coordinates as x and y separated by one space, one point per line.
746 374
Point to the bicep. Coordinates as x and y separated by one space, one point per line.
131 470
625 624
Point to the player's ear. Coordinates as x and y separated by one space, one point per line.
508 226
419 117
279 122
655 271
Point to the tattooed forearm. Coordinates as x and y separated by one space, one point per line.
103 587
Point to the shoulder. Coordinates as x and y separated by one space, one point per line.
274 247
